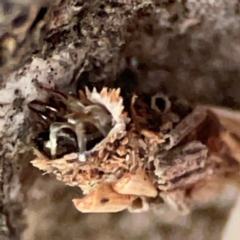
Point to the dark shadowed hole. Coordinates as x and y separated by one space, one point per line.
137 203
127 82
20 20
160 103
104 200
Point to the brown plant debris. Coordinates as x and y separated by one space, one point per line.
117 156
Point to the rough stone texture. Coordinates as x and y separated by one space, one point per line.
188 48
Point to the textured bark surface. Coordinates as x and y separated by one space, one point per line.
186 48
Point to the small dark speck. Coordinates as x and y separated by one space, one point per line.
16 91
104 200
141 152
100 172
71 160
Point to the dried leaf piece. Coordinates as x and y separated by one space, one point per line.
124 141
153 136
103 199
137 184
41 162
121 151
111 100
